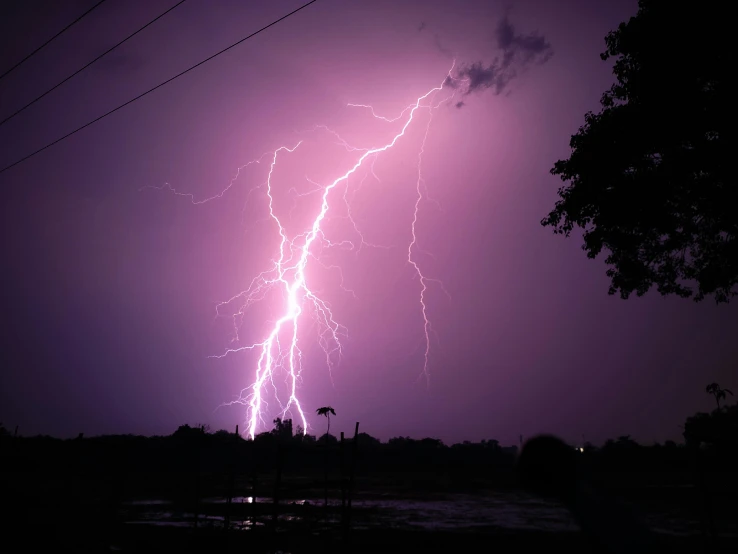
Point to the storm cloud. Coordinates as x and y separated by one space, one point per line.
517 53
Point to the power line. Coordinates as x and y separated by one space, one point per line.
51 39
152 89
81 69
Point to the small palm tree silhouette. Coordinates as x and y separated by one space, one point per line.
326 411
719 394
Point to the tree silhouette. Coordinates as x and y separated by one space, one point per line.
282 429
326 411
649 175
719 394
717 428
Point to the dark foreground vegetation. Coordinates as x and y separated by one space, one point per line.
650 180
317 495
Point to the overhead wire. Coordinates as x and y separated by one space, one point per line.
81 69
57 35
152 89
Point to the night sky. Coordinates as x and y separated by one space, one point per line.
111 281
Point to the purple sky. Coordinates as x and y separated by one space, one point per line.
109 290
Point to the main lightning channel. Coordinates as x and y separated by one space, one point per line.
288 272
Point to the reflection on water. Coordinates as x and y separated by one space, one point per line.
517 512
238 499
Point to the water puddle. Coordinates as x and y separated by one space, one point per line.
508 511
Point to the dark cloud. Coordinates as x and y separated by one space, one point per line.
518 52
526 49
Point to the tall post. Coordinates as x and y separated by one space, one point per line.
343 479
325 480
253 500
231 466
277 483
351 477
197 474
708 524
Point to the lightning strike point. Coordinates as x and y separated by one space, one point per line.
280 349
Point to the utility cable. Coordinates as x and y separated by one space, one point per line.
152 89
51 39
81 69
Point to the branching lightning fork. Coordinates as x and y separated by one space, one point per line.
288 273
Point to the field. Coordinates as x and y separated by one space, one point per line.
390 512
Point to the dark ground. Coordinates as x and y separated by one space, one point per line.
95 495
386 541
87 514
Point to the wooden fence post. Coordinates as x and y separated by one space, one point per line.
343 480
253 500
277 483
197 475
231 467
351 478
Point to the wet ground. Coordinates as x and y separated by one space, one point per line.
385 523
505 512
75 516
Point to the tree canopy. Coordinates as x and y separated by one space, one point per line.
647 179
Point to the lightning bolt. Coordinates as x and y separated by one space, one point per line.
280 350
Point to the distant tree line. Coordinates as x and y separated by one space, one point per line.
195 448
